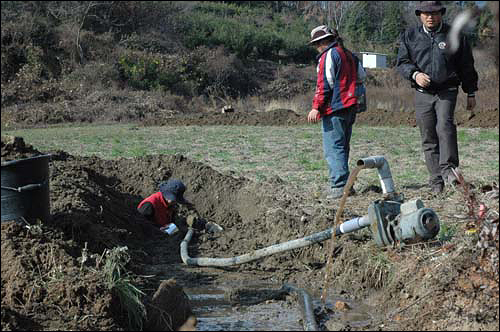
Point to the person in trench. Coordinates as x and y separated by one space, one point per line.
161 207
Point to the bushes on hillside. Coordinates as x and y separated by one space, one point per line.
246 31
200 72
27 47
188 49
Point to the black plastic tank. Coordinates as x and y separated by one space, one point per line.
25 189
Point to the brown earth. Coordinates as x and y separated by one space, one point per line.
46 285
154 116
280 117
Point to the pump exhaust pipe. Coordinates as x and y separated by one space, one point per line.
384 172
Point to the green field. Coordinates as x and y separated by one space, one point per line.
293 154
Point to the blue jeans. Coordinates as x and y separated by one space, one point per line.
337 130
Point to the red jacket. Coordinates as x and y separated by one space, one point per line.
163 212
337 78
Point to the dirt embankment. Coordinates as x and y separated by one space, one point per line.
47 285
278 117
281 117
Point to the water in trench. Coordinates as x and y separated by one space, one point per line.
216 313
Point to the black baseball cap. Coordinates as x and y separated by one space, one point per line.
173 190
430 6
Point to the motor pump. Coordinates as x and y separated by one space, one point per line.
410 222
393 221
390 219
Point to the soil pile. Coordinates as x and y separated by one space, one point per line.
52 273
154 116
14 148
481 118
286 117
277 117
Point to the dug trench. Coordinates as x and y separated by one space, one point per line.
53 273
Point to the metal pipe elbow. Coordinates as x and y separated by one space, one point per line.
384 172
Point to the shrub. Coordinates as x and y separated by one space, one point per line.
246 31
143 71
202 71
223 74
28 46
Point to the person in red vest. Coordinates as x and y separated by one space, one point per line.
160 207
337 99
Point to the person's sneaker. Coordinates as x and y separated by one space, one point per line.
334 193
437 187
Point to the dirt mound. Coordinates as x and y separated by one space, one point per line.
153 116
286 117
51 272
481 118
43 286
277 117
169 307
14 148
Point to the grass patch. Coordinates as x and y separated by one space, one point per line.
477 136
447 231
294 154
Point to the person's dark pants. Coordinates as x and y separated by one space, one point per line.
435 119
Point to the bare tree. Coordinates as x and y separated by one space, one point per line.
336 12
78 46
103 15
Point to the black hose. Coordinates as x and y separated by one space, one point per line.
305 301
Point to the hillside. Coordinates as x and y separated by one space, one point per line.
145 61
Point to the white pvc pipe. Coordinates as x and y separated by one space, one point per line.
346 227
293 244
353 225
384 172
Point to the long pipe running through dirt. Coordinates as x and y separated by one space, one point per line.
349 226
294 244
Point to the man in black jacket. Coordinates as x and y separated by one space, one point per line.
436 73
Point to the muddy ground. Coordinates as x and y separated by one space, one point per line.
441 285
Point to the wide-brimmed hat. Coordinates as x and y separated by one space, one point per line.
173 190
322 32
429 6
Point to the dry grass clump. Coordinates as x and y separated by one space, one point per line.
117 281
